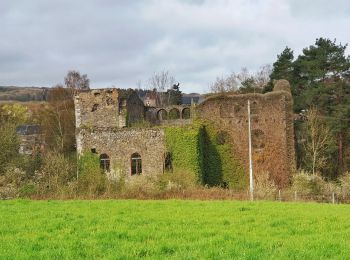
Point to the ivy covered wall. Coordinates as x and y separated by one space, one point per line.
206 152
221 164
184 143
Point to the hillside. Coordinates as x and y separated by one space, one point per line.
23 94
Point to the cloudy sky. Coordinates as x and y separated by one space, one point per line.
122 42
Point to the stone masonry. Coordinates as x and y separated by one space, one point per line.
104 120
271 124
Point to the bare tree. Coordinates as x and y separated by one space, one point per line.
262 77
58 120
244 80
318 138
76 81
229 84
162 82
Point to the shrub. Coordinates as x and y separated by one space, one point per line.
9 144
309 184
92 180
141 186
11 182
264 187
177 180
54 174
116 179
345 184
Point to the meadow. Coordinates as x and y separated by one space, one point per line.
127 229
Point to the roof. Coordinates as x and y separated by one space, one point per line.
28 129
187 99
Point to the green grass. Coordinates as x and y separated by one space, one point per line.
127 229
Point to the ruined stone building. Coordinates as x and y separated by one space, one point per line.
131 137
31 139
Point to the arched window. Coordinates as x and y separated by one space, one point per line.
104 162
186 113
162 115
136 164
174 113
168 165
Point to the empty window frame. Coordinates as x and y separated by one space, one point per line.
104 162
168 166
136 164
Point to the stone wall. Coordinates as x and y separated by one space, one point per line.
103 117
97 108
31 144
135 110
120 144
169 115
271 124
108 108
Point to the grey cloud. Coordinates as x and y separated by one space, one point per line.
122 42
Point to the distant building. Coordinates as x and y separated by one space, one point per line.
193 98
31 139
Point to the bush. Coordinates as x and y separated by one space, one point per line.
55 173
345 184
177 180
264 187
9 144
309 184
92 180
11 182
140 186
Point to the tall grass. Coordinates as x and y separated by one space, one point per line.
130 229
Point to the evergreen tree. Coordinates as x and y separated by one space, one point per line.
282 68
321 79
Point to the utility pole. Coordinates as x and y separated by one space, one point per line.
251 186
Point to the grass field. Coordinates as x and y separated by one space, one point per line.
127 229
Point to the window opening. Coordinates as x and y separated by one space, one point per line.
186 113
168 165
104 162
136 164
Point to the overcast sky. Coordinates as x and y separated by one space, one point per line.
122 42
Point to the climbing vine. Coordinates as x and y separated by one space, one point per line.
206 152
185 146
221 164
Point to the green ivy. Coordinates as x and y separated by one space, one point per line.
184 145
198 150
221 165
88 162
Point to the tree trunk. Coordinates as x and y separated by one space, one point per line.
340 151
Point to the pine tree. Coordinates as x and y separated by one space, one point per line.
320 78
282 68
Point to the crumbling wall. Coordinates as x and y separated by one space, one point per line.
120 144
271 124
97 108
31 144
135 110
